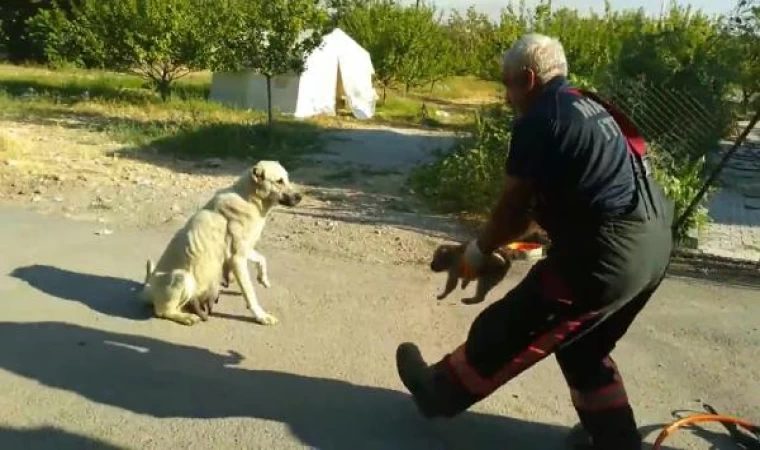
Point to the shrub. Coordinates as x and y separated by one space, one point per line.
681 180
469 177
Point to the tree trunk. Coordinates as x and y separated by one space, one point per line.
746 95
269 101
164 88
164 84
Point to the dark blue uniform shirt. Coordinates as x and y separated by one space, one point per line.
575 153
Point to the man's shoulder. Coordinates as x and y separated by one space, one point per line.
533 122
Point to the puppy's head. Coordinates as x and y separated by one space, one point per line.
273 184
445 257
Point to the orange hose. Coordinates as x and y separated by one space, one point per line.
696 418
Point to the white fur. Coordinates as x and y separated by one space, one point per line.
225 230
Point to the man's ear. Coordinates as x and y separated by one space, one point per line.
531 80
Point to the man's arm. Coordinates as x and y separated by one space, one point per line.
510 219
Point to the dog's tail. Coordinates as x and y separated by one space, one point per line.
149 268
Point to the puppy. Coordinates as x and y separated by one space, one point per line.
221 234
203 307
447 258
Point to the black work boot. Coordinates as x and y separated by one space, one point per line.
579 439
417 376
612 429
435 389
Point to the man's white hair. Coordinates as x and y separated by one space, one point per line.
543 55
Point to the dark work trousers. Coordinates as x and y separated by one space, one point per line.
576 303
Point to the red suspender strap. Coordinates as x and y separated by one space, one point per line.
636 142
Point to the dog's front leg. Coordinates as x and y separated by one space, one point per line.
240 270
261 265
451 283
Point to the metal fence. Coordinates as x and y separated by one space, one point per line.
677 122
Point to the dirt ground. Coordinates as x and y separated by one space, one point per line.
81 368
355 200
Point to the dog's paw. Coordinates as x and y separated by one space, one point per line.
190 319
266 319
264 281
472 300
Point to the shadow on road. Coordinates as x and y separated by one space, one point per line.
107 295
48 438
151 377
164 380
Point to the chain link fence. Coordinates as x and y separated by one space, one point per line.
680 125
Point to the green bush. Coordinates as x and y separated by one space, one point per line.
681 180
469 177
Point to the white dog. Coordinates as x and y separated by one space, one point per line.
221 235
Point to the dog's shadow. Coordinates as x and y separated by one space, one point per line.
166 380
112 296
51 438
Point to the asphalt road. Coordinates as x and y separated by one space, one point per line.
82 364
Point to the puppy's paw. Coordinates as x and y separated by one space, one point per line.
266 319
473 300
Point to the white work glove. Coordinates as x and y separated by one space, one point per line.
472 260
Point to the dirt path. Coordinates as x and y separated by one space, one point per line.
355 198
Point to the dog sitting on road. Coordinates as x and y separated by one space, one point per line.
447 258
219 238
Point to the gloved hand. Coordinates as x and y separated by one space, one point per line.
472 260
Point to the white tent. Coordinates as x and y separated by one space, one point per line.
338 69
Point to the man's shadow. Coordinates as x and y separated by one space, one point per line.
107 295
164 380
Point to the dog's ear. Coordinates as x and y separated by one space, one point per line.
257 174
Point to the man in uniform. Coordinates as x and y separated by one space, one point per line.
576 168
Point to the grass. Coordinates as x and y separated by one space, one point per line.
128 111
449 104
9 146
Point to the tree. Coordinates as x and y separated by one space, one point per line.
14 15
422 47
512 24
408 45
160 40
374 26
2 38
273 37
338 9
473 39
744 28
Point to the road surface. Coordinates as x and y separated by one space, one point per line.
82 364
